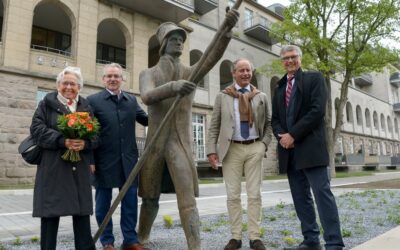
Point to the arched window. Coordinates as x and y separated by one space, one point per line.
359 115
375 117
51 30
349 113
225 74
153 52
111 43
195 56
1 19
383 125
367 118
389 124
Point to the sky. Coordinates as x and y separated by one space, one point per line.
393 44
269 2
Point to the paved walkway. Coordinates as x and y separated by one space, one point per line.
16 208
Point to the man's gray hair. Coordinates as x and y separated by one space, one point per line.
287 48
112 65
71 70
233 67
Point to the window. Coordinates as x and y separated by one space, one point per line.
46 39
107 54
40 94
248 18
198 123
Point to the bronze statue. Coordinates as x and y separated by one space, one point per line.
171 157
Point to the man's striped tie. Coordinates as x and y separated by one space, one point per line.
288 90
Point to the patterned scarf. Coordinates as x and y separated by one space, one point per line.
246 113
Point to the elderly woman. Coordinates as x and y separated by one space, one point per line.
62 187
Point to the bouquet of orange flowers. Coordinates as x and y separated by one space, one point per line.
77 125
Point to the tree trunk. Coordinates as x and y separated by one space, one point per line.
328 124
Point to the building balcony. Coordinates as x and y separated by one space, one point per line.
203 6
396 107
363 80
395 79
259 28
165 10
49 60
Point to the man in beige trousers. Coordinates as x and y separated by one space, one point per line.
241 121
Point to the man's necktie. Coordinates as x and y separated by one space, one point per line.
244 125
288 90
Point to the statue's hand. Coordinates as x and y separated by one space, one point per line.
183 87
232 16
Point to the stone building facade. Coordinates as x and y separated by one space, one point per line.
40 37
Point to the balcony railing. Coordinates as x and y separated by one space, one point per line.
109 62
165 10
363 80
259 28
395 79
52 50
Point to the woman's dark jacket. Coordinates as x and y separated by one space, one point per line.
61 187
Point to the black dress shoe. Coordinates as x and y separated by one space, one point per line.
233 244
257 245
303 246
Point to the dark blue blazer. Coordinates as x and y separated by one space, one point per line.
306 125
117 153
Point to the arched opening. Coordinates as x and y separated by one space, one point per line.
383 125
111 43
273 85
225 74
153 51
254 81
375 117
389 124
51 30
349 113
359 115
195 56
367 118
1 19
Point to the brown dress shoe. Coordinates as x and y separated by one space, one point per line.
135 246
257 245
109 247
233 244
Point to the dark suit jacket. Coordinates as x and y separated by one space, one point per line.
308 126
117 153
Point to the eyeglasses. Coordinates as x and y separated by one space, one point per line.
72 84
112 75
288 58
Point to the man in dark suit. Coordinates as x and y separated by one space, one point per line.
117 112
298 111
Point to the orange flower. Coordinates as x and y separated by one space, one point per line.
71 122
89 127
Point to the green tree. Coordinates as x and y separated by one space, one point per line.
341 36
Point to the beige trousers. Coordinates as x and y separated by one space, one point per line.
245 159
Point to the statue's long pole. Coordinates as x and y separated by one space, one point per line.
223 30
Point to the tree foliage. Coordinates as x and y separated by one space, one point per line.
347 37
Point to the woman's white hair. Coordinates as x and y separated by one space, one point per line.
71 70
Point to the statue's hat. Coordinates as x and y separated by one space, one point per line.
165 29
